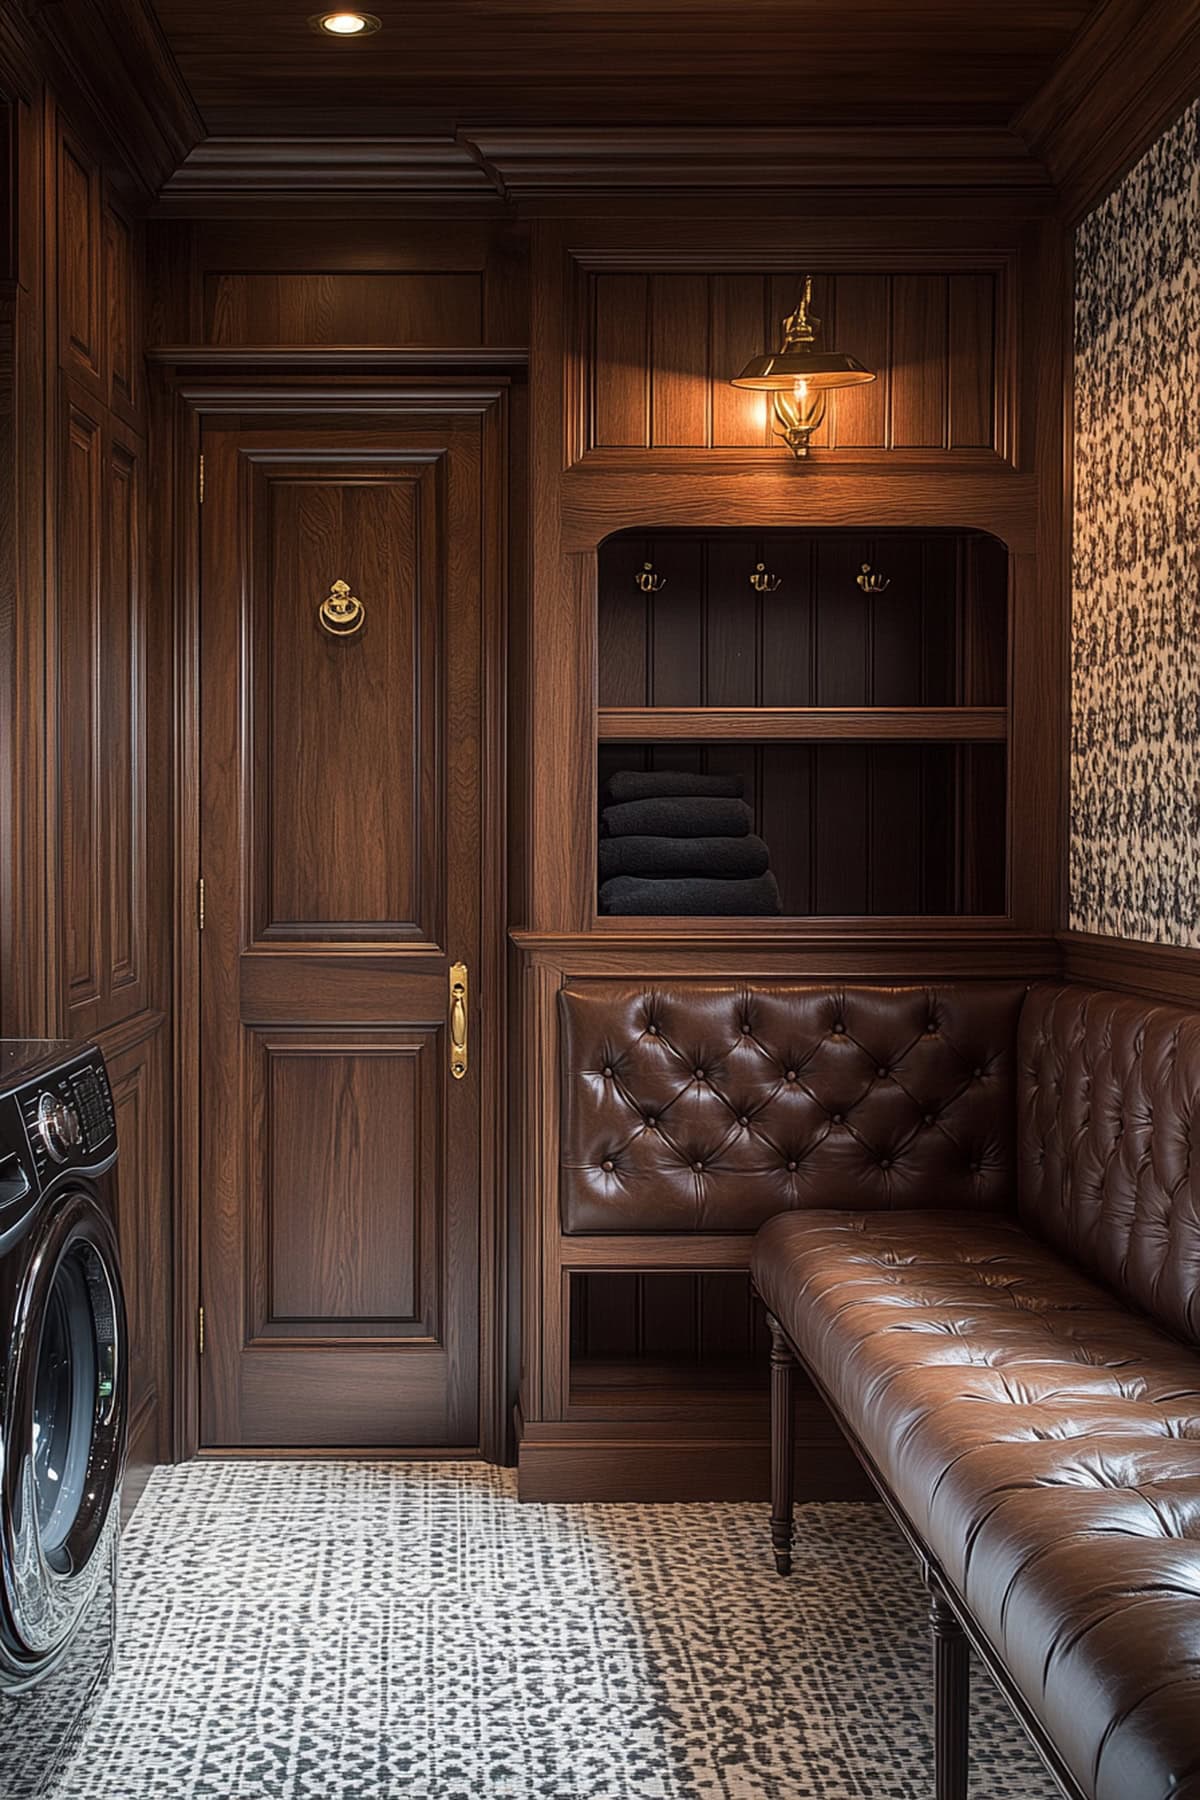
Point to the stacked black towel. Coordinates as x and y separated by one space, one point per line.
682 843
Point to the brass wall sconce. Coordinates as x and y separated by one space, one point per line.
762 581
648 581
801 377
872 581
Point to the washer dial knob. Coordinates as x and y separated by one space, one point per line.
58 1126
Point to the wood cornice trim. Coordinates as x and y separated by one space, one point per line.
1126 77
289 381
543 162
115 55
225 176
1168 972
281 361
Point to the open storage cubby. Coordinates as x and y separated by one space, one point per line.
650 1336
869 728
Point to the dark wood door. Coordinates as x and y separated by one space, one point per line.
341 854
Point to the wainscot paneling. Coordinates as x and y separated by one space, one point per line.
335 307
659 349
101 680
136 1052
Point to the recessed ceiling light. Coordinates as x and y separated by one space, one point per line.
346 24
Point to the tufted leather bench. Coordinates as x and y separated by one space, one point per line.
1024 1389
711 1106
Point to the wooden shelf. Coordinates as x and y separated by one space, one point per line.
804 724
649 1382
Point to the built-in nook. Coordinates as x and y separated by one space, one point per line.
853 682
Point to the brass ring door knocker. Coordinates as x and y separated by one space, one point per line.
341 612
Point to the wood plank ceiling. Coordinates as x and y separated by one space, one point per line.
441 65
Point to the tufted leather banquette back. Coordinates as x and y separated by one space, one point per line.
1109 1143
712 1106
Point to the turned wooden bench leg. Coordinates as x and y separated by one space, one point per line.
783 1369
951 1699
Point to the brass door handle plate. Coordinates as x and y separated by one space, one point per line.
458 1020
341 612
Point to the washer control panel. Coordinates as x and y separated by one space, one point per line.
69 1117
58 1125
93 1105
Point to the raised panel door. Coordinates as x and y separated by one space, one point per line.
342 857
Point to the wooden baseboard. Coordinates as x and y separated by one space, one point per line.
340 1453
620 1462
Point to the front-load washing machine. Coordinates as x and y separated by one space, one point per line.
63 1402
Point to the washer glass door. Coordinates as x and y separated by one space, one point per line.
64 1428
74 1378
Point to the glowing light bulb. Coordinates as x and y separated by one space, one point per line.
348 24
800 388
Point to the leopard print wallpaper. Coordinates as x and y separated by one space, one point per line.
1135 734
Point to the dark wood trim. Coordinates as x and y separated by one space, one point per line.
805 724
111 58
343 1453
210 362
1169 972
912 941
328 177
537 163
174 550
1126 76
671 1461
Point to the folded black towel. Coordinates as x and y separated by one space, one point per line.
720 856
702 817
654 784
628 894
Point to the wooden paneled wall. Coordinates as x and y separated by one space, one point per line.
110 711
660 347
87 890
364 283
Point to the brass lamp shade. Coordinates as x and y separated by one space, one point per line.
779 372
800 376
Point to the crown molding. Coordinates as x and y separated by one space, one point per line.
225 176
1126 76
545 163
114 56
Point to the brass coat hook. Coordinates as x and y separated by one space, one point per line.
871 581
341 612
762 581
648 581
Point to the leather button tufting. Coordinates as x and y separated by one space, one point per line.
836 1118
607 1167
698 1166
885 1162
758 1043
